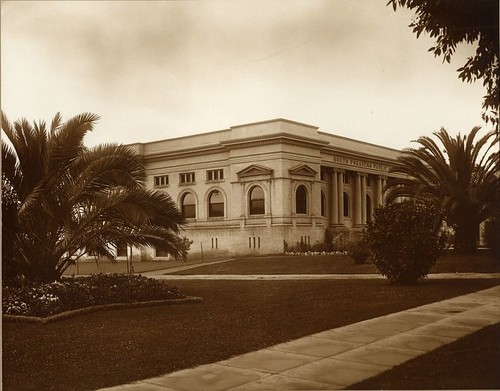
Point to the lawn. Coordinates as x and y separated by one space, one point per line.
119 346
280 264
338 264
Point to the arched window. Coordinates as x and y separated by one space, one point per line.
301 200
188 206
323 204
215 204
347 203
257 201
368 208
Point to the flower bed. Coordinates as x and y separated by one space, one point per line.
43 300
308 253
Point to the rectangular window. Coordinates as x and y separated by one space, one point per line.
161 253
160 180
215 175
186 177
368 181
215 243
347 179
121 250
254 241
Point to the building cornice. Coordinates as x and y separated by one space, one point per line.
185 152
333 136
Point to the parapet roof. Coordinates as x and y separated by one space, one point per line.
273 128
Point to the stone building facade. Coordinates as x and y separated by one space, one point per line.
256 188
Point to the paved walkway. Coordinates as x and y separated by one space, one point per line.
339 357
185 267
367 276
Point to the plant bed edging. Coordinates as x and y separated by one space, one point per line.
97 308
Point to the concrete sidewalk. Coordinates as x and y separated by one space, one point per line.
185 267
281 277
337 358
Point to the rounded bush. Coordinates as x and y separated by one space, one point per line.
404 240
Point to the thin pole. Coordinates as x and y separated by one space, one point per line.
128 260
131 262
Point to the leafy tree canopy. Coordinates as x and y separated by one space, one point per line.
455 21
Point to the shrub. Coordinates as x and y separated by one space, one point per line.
492 236
359 251
73 293
328 242
404 240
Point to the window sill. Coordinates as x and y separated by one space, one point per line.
215 181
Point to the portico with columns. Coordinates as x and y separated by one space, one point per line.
353 195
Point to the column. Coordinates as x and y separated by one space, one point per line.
340 196
357 205
363 198
334 217
268 213
378 192
384 184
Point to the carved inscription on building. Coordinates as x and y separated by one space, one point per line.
360 163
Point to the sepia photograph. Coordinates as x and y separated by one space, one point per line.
250 195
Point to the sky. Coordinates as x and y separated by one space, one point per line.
161 69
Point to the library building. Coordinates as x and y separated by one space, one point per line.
261 187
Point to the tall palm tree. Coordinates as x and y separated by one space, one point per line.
459 175
61 200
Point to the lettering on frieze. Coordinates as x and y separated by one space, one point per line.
360 163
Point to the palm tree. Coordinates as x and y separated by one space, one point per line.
458 175
62 200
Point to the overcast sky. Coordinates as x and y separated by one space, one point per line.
155 70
